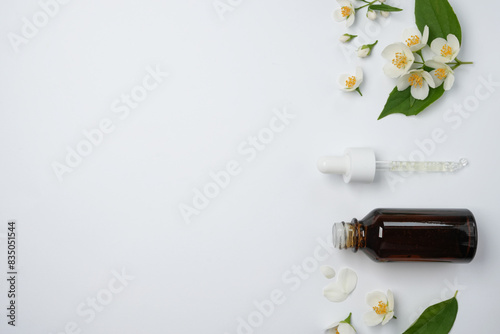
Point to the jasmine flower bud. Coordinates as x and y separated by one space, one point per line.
366 49
347 37
362 53
371 14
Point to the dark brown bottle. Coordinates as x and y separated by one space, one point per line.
446 235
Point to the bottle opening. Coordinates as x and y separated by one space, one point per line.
339 235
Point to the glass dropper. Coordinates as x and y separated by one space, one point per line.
359 164
421 166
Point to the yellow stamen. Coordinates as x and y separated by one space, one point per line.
350 82
446 51
413 40
440 73
337 331
400 60
346 11
415 80
381 308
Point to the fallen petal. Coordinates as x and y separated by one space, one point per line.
327 271
334 292
347 280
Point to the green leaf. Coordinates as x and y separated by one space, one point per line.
401 102
436 319
439 16
384 8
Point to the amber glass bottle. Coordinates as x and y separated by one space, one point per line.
446 235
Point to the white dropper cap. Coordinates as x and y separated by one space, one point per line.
357 164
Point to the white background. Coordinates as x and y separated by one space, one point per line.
119 209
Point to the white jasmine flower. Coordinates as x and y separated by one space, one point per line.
414 39
346 37
339 290
383 308
385 14
441 73
345 12
351 83
371 14
419 80
327 271
400 59
446 50
341 327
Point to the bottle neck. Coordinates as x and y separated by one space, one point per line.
349 235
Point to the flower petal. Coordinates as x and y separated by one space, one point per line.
350 20
372 319
403 82
347 280
425 35
392 71
407 52
334 292
437 45
327 271
409 32
453 42
334 325
428 78
410 56
374 297
435 78
391 49
337 15
448 82
420 93
441 59
344 3
416 47
345 328
387 317
342 80
359 74
434 64
390 300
